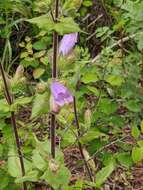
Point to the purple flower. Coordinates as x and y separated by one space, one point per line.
67 43
61 94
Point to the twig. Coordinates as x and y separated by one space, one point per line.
95 20
13 122
118 43
79 144
106 146
54 75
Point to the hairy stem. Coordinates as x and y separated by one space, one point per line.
79 144
54 75
13 122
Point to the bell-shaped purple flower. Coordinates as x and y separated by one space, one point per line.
61 94
67 43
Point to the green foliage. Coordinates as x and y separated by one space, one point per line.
108 91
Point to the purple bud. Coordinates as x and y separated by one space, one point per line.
61 94
67 43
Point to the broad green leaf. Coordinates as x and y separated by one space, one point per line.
107 106
115 80
66 25
137 154
57 179
38 160
68 138
40 105
31 176
89 77
91 135
103 174
44 22
125 159
14 167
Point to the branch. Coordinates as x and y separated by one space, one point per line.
118 43
13 122
79 144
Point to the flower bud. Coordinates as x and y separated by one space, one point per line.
19 72
55 108
53 165
87 118
40 88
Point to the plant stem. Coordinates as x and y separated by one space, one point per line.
54 75
13 122
79 144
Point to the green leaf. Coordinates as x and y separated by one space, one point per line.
94 90
31 176
89 77
66 25
125 159
38 72
137 154
23 101
133 106
115 80
40 45
57 179
103 174
4 108
91 135
38 160
14 167
135 131
107 106
87 3
44 22
40 105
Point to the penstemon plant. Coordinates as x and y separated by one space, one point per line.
75 119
